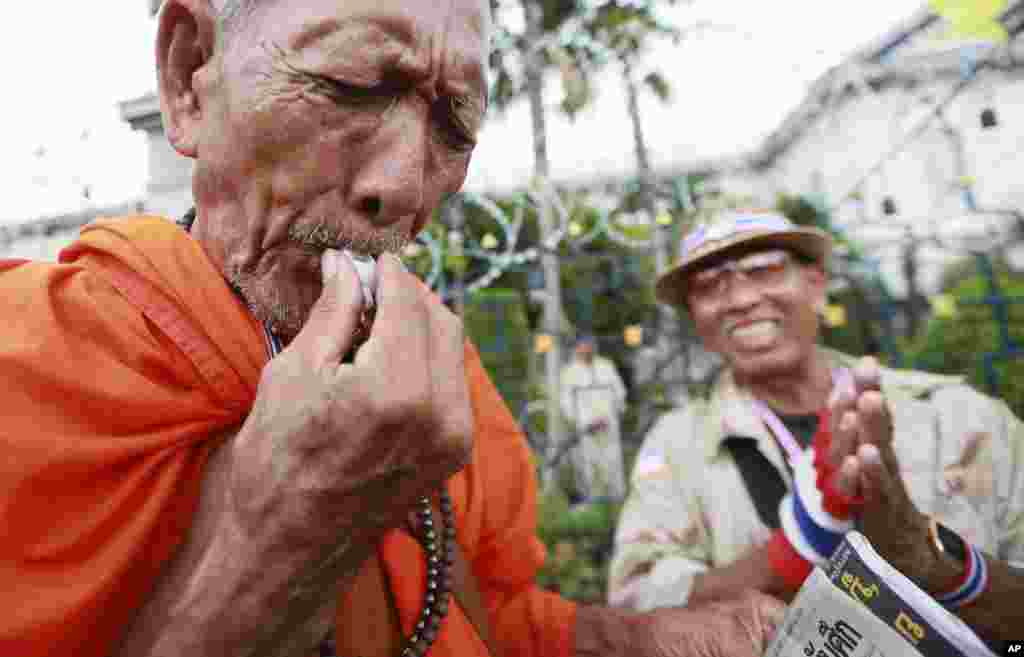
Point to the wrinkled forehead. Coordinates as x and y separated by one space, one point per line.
460 26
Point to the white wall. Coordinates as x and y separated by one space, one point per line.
836 152
169 191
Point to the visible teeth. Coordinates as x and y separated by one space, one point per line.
755 329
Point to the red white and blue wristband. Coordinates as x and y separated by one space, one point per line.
973 582
814 532
787 563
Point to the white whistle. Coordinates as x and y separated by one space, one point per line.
366 268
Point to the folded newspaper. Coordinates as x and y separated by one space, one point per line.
860 606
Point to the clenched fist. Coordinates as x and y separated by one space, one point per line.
333 447
740 627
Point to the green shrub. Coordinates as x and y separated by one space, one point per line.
958 345
495 320
578 541
860 334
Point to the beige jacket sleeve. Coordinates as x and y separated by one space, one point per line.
1010 495
981 445
661 542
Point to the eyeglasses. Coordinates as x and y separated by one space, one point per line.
764 270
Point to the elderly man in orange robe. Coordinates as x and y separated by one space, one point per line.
197 461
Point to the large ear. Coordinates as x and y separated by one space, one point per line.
817 282
186 39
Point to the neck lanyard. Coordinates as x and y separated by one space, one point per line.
840 377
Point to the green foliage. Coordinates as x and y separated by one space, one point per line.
861 334
606 287
557 12
799 210
805 212
579 541
958 345
495 320
606 292
658 84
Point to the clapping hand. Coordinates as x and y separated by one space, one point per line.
865 466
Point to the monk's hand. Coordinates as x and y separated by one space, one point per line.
867 467
739 627
331 448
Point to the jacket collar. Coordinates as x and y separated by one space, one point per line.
730 411
731 414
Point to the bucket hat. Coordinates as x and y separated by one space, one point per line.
733 228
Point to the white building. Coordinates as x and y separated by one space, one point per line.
169 189
42 239
896 138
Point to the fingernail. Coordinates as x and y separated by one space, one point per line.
366 269
866 372
329 263
869 454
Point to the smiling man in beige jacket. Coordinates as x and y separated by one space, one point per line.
940 465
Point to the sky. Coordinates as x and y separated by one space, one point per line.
61 126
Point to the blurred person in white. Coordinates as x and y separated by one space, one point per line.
794 444
592 399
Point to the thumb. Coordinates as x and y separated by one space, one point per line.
875 477
328 332
772 613
848 476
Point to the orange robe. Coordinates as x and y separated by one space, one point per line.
117 365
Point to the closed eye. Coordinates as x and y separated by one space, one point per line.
459 120
344 93
339 91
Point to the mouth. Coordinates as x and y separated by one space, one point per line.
319 239
366 269
755 333
317 249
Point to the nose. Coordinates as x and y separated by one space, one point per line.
740 293
389 183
